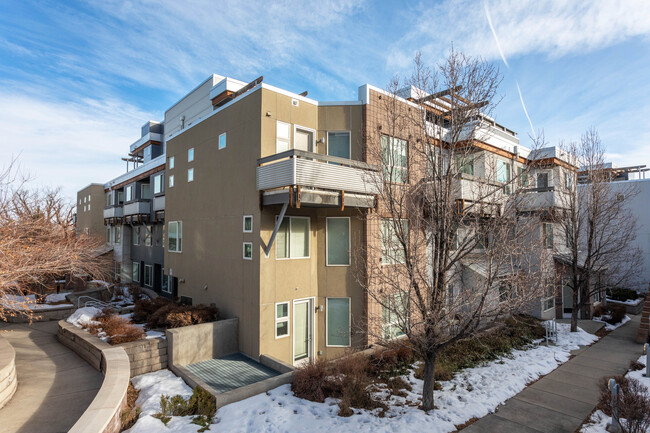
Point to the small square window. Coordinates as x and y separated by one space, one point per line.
281 319
222 141
171 162
248 250
171 180
248 223
190 155
190 174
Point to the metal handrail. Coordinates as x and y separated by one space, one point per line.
93 302
296 153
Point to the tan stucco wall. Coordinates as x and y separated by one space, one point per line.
91 221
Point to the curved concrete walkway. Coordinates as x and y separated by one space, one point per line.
55 386
564 398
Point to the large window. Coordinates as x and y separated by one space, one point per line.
503 175
135 277
135 235
338 241
465 164
147 235
175 236
392 250
394 154
148 275
129 193
222 141
158 184
338 322
292 240
281 319
542 180
547 229
283 137
394 315
338 144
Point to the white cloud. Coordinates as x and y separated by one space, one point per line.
67 144
552 28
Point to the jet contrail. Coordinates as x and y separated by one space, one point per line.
503 57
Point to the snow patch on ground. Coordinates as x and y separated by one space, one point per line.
83 316
27 303
608 326
56 297
474 392
636 301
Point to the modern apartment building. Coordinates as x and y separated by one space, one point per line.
90 205
260 201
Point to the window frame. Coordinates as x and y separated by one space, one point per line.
327 150
313 132
179 245
290 217
190 154
244 250
537 179
392 260
172 160
161 178
144 275
135 265
244 224
190 174
135 235
129 197
327 324
171 180
169 280
286 319
389 177
394 322
327 246
288 139
224 141
117 236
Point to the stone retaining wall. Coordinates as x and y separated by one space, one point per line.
42 315
8 379
144 356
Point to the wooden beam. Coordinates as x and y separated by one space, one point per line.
440 94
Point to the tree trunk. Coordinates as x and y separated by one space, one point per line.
574 311
429 381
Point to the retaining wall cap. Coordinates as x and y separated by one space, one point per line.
7 358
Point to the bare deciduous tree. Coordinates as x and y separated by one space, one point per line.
448 252
600 228
37 239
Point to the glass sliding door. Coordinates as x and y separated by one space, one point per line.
302 331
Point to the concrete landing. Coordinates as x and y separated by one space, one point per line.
231 372
55 386
563 399
590 326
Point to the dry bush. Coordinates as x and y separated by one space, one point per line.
611 314
310 381
131 413
175 316
146 307
633 403
118 329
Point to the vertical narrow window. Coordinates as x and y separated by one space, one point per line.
283 136
190 174
108 235
190 155
171 181
338 144
548 235
109 198
282 240
522 177
392 250
171 162
135 235
120 198
147 235
292 239
165 287
338 241
129 193
157 184
542 180
88 206
503 175
248 224
136 272
338 322
145 191
222 141
175 236
148 275
568 180
248 250
118 235
394 315
281 319
394 155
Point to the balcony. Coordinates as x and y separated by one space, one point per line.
310 179
543 198
113 212
159 203
138 207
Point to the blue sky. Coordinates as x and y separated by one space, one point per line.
78 79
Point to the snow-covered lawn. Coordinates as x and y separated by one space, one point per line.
28 302
599 420
474 392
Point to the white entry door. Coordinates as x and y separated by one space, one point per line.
303 323
303 140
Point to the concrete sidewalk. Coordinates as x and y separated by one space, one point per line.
561 400
55 386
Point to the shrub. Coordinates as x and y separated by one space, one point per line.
117 329
146 307
622 294
309 381
201 403
611 314
165 314
633 403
